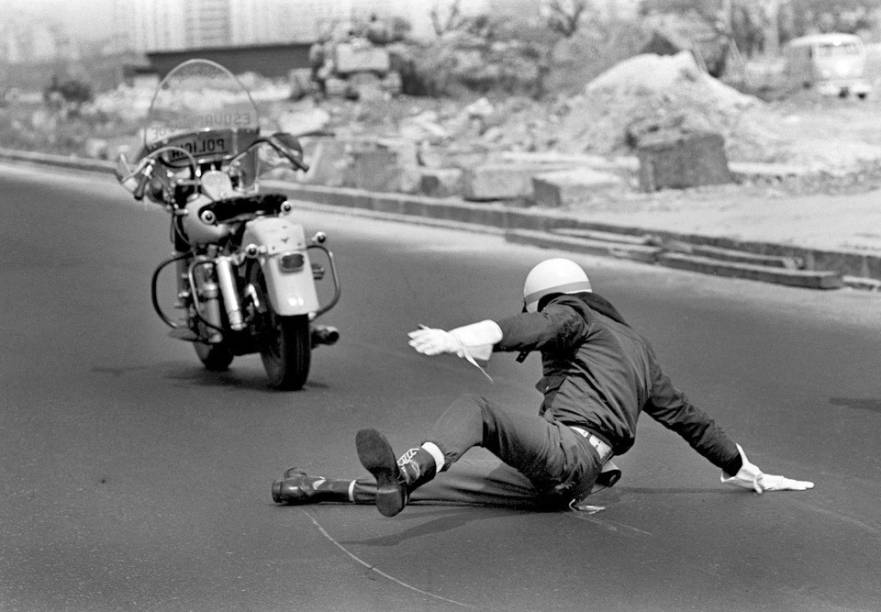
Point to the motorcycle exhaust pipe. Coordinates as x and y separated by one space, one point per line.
210 310
223 266
324 334
183 280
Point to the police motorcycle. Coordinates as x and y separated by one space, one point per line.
248 280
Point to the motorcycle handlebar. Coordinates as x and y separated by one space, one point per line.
144 178
299 164
287 152
281 148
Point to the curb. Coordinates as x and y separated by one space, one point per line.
63 161
808 279
767 262
607 248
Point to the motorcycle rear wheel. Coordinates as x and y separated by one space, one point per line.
287 351
215 357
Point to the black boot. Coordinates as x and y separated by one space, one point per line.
298 488
395 478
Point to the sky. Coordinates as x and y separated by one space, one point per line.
83 19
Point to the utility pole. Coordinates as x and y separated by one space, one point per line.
726 16
772 30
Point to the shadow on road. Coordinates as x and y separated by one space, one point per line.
447 519
872 405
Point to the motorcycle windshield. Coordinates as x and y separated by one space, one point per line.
200 107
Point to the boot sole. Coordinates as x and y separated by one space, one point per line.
378 458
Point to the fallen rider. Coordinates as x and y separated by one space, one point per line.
599 375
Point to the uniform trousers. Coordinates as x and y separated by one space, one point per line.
540 463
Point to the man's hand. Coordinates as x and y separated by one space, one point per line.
430 341
751 477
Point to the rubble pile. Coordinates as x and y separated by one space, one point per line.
650 92
647 93
635 97
447 142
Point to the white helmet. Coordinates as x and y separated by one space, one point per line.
556 275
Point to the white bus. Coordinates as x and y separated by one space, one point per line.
834 64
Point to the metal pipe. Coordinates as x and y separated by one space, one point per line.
334 278
223 267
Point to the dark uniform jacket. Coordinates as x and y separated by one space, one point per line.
599 374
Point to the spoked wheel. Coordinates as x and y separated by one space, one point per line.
215 357
285 341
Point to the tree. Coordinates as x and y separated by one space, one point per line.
446 20
564 16
800 17
708 10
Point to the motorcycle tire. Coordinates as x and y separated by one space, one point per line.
215 357
287 352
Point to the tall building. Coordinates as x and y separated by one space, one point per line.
147 25
152 25
320 15
25 41
266 21
207 23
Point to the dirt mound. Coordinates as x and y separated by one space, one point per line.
649 91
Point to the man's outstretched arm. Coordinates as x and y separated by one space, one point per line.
671 408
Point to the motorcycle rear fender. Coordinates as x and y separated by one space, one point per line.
290 291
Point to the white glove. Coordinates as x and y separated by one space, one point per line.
430 341
473 341
470 342
751 477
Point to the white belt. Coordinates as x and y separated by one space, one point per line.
602 449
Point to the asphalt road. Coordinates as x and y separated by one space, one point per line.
132 479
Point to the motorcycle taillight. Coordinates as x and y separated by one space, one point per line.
291 262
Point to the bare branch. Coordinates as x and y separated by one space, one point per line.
452 21
563 16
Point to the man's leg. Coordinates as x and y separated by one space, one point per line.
555 460
477 479
559 463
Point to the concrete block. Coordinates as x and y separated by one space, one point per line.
349 58
366 86
565 187
328 164
304 121
680 160
375 170
96 148
335 87
440 182
407 159
404 150
498 181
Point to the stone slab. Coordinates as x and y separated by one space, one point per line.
440 182
567 187
590 234
808 279
678 161
375 170
774 261
606 248
500 181
350 58
328 163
